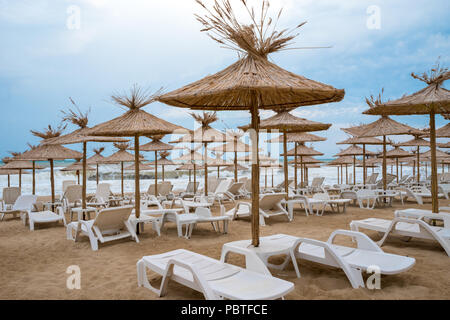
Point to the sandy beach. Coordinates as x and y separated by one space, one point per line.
33 264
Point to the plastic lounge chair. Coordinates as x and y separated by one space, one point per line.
221 192
67 183
101 197
215 279
316 185
43 217
10 196
23 205
241 210
234 191
444 188
417 193
327 201
110 224
409 227
270 206
72 198
205 215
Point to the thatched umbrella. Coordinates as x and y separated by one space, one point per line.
231 168
432 100
20 165
397 153
156 145
121 156
304 162
342 161
440 157
266 165
416 142
50 152
189 167
81 135
443 132
300 150
384 127
287 122
192 156
135 123
444 145
96 160
163 161
76 167
218 163
142 167
9 172
364 141
297 138
354 151
252 83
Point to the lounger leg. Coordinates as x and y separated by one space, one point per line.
155 226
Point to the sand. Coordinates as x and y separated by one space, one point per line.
33 264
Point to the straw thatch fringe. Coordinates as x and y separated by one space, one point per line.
49 132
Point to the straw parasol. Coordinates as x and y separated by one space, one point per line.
219 162
440 155
340 162
385 126
354 151
189 167
300 150
76 167
252 83
444 145
266 165
135 123
364 141
81 135
96 159
163 161
156 145
443 132
416 142
9 172
397 153
192 156
142 167
286 122
20 165
432 100
50 152
231 168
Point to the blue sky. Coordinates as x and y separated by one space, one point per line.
158 43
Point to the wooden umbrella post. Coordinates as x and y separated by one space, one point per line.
195 173
272 178
137 189
384 164
189 175
285 165
34 177
338 181
20 179
434 184
418 164
295 164
218 172
354 169
396 168
265 178
121 180
206 168
235 160
52 180
163 173
78 176
364 164
96 177
83 192
301 170
156 173
255 172
9 181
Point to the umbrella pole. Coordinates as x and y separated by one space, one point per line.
78 176
96 176
364 164
418 164
286 174
295 165
354 170
434 183
162 166
346 174
384 164
218 172
9 181
52 180
301 170
272 177
189 175
121 179
396 168
255 172
206 168
338 174
156 173
195 177
235 161
83 193
265 179
34 177
137 189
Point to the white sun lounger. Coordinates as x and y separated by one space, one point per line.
110 224
23 205
409 227
101 196
215 279
417 193
43 217
205 215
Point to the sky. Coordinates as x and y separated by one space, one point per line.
89 49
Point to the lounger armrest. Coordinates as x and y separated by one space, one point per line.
362 240
198 277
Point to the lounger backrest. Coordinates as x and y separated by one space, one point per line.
271 200
10 195
151 189
248 185
321 196
213 182
25 202
103 191
372 179
317 182
235 187
67 183
446 219
165 188
203 212
223 186
366 193
73 193
192 187
112 218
